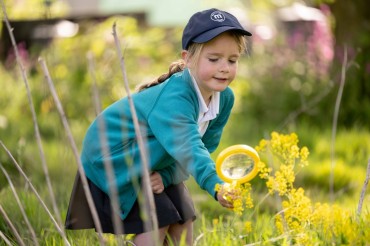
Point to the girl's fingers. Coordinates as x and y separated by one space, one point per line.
157 189
156 183
226 197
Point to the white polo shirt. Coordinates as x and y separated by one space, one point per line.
206 113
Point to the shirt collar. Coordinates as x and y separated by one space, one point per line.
210 112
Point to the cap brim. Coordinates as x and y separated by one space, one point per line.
206 36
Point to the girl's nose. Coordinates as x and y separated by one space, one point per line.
225 67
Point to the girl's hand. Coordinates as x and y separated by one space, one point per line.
156 183
226 197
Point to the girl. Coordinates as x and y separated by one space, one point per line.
182 115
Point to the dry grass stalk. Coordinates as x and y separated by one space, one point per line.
147 190
363 191
113 192
305 107
12 227
30 228
61 232
5 239
34 117
95 91
74 150
335 121
271 240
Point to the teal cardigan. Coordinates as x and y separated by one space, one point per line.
167 115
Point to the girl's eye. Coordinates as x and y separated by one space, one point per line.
213 59
233 61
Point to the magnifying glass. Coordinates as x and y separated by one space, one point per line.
237 163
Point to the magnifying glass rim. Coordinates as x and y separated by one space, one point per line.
237 149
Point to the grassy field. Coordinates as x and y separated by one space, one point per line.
313 202
216 225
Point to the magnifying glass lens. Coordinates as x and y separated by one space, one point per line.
237 163
237 166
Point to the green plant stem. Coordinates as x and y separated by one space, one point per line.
335 122
258 205
271 240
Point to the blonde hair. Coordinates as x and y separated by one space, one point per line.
194 51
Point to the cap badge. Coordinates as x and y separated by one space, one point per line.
217 16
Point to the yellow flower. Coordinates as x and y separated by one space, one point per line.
263 170
215 222
303 222
262 145
283 153
304 156
248 226
239 194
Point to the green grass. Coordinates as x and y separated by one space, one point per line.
214 225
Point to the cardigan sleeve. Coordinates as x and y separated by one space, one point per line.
173 174
212 136
173 121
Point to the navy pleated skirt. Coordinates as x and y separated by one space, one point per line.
173 205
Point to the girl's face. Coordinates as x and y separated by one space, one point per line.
217 64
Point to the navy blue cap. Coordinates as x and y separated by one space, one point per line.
206 25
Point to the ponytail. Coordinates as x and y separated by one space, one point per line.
175 67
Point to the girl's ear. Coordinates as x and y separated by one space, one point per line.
184 55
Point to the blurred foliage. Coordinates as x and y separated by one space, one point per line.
284 84
351 31
35 9
145 51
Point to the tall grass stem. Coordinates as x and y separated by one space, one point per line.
30 228
12 227
74 150
335 121
148 194
34 117
271 240
363 191
61 232
95 90
6 240
304 108
108 166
